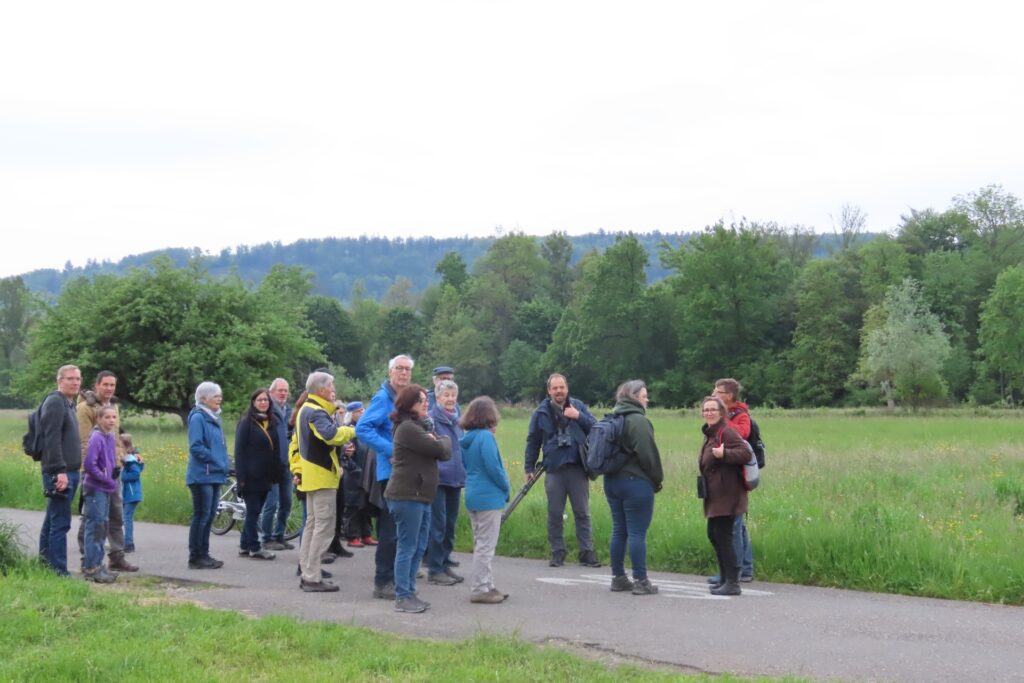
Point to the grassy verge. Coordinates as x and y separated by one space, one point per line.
915 504
59 629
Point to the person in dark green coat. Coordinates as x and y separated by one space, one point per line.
630 491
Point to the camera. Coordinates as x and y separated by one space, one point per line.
50 490
563 439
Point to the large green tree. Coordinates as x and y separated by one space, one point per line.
163 330
1002 332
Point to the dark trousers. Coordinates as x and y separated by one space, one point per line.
254 502
444 513
720 530
204 508
386 544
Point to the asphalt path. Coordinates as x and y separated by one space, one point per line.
772 629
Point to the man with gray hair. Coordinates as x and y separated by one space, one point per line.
374 429
61 460
319 438
279 499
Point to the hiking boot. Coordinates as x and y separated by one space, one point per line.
589 559
411 604
273 545
119 564
727 588
317 586
262 554
451 572
356 543
491 597
441 579
557 559
621 583
368 540
385 592
644 587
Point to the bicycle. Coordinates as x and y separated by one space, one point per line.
231 509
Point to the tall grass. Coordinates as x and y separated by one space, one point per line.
921 505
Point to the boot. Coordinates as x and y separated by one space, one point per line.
119 564
728 588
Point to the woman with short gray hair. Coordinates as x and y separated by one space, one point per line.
207 470
448 499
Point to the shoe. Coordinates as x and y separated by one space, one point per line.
727 588
129 548
385 592
327 558
644 587
421 573
747 578
356 543
98 575
285 545
343 552
273 545
557 560
441 579
621 583
214 562
205 563
243 552
368 540
262 554
491 597
450 572
298 570
715 580
122 565
589 559
317 586
324 574
452 563
411 605
504 596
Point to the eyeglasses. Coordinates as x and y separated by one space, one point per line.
710 410
402 368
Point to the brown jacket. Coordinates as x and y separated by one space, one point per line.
414 462
87 408
726 494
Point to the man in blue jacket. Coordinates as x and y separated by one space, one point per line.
560 426
374 429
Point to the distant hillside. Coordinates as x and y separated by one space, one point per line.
338 263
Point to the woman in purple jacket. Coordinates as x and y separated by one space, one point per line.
97 486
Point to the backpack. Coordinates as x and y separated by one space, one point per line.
32 442
603 453
750 471
756 443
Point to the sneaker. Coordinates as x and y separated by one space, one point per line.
98 575
385 592
451 572
441 579
214 562
621 583
746 578
491 597
421 573
243 552
119 564
205 563
412 605
644 587
324 574
356 543
589 559
342 552
285 545
317 586
368 540
262 554
328 558
557 559
273 545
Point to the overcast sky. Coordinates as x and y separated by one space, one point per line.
128 127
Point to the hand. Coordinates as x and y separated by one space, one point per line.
571 413
530 476
62 482
350 449
718 451
296 479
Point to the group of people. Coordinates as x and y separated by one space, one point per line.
404 460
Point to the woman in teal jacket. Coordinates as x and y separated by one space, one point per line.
487 491
207 470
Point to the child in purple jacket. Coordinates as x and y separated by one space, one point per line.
98 484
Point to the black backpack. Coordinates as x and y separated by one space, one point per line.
756 443
603 453
32 442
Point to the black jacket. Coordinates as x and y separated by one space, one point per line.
62 449
257 454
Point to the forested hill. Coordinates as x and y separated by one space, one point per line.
338 263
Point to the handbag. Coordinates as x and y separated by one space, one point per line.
702 487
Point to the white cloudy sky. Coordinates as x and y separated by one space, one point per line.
127 127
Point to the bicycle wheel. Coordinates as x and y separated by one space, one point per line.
293 527
225 517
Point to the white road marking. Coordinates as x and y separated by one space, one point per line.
691 590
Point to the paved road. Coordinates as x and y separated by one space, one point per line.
772 629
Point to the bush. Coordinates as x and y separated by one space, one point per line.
12 555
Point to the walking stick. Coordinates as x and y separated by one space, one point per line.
523 491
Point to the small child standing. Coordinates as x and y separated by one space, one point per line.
131 489
97 487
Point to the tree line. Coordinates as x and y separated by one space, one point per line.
929 314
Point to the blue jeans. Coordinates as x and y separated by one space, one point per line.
741 546
129 523
384 557
53 537
254 503
631 500
96 508
204 508
444 513
279 505
412 526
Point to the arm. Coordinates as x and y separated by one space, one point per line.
197 447
638 437
241 473
368 428
741 423
493 466
737 451
412 436
327 430
85 425
534 438
585 420
51 422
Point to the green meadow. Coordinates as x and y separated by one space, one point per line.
929 504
